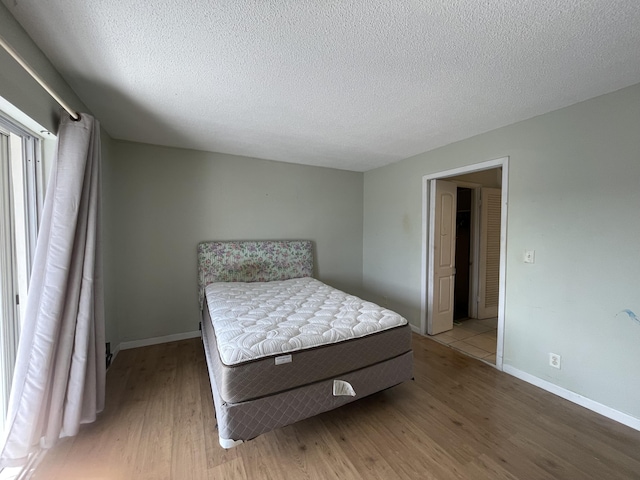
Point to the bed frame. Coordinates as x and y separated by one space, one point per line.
268 261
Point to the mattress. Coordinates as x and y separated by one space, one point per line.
270 337
242 421
256 320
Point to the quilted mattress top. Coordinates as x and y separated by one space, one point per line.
261 319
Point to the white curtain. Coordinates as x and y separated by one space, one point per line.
59 379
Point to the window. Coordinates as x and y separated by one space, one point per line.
21 201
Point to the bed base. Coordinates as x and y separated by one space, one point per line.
280 260
239 422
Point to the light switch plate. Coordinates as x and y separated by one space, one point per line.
530 256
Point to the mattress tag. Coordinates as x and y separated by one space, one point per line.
283 359
342 388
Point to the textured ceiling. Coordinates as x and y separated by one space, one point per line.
346 84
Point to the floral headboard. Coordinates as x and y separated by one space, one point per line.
253 261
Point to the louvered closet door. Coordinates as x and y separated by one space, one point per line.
491 201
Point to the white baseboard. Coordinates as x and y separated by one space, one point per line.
156 340
415 329
585 402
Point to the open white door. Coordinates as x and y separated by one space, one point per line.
489 265
442 256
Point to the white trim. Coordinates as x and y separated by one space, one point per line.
23 119
426 268
475 167
503 263
145 342
576 398
415 329
431 228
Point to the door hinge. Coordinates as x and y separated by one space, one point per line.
17 299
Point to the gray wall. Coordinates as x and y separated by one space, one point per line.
574 197
18 88
108 250
167 200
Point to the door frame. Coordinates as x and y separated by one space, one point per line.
427 268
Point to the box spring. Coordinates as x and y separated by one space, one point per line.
258 378
242 421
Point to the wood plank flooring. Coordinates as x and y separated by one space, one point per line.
459 419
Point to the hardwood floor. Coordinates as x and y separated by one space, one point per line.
459 419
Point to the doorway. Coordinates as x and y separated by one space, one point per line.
462 285
464 253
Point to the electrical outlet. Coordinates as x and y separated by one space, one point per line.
554 360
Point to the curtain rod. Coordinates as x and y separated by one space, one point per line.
75 115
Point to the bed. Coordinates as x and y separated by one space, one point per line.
282 346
